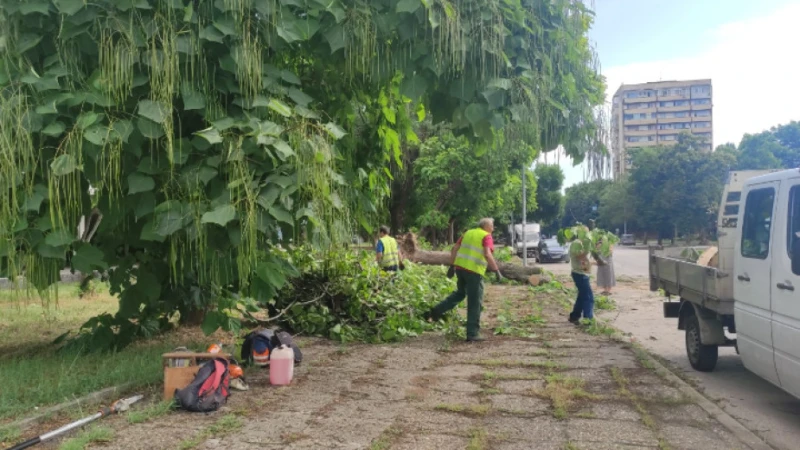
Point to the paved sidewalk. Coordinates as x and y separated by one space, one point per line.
545 384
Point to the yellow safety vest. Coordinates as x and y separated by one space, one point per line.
470 254
390 255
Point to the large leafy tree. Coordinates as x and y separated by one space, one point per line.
776 148
190 131
677 189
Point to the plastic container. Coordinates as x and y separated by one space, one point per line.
281 366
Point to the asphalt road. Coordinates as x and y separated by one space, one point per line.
763 408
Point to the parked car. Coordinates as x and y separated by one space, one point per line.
551 251
627 239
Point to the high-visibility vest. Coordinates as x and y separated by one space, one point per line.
470 253
390 255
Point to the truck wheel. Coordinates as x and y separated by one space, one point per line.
701 357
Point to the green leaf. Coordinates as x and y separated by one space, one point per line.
138 182
69 7
150 129
414 87
283 149
335 130
226 26
35 199
122 130
27 41
149 233
169 222
335 37
299 97
86 119
476 112
64 165
279 213
87 258
271 274
289 77
211 135
49 251
145 204
34 6
408 6
220 215
211 34
59 238
96 134
155 111
268 196
54 129
213 321
192 99
280 107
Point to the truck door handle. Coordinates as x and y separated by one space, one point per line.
786 287
743 278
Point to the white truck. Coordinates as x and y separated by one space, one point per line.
533 236
751 299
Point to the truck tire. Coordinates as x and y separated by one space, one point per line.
701 357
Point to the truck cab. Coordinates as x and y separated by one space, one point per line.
766 278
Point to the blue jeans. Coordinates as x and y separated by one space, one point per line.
584 304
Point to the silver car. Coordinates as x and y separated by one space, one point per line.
627 239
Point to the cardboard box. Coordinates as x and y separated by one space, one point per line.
180 369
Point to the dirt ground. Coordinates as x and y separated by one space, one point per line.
543 383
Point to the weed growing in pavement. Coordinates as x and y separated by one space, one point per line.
467 410
224 425
9 434
570 446
88 436
604 303
562 392
478 439
150 412
386 438
597 327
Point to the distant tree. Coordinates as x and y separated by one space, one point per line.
776 148
582 202
617 206
677 189
549 199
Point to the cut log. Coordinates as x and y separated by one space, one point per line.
408 246
709 257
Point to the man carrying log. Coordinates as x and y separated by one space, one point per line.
387 251
469 260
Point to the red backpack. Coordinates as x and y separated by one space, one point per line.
209 390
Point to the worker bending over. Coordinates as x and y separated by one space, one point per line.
469 260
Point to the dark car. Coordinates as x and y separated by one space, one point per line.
551 251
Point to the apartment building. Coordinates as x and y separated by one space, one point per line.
655 113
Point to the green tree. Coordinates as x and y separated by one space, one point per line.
617 208
549 200
582 202
677 189
203 128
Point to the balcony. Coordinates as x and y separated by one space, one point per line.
640 122
673 131
640 132
639 99
667 98
673 108
702 107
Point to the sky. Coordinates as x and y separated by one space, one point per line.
747 48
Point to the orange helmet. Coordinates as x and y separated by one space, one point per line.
235 371
214 348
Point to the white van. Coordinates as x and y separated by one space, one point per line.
751 298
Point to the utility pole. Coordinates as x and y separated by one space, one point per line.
524 223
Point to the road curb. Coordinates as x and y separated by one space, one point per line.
94 397
734 426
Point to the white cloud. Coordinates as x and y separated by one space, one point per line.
754 68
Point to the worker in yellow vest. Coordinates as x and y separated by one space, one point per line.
387 252
471 257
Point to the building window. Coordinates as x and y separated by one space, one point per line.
703 113
794 225
668 137
757 223
701 101
681 114
681 102
701 125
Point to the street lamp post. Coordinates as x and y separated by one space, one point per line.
524 206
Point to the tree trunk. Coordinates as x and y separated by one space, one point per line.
451 226
515 272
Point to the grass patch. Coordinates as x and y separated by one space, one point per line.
151 412
604 303
9 435
88 436
290 438
550 365
386 439
224 425
643 357
570 446
478 439
597 327
563 392
467 410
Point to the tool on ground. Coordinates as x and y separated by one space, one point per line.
115 408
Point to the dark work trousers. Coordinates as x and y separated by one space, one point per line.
584 304
469 285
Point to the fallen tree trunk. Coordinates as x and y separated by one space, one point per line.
408 246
